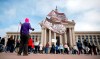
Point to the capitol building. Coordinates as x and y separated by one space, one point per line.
58 29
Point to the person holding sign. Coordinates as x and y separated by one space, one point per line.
24 36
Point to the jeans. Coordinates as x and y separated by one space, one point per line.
46 50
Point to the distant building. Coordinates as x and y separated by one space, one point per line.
57 26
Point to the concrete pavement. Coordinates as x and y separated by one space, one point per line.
47 56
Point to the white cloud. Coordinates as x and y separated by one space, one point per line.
88 21
92 16
12 28
82 5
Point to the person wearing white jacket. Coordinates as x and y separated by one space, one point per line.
61 48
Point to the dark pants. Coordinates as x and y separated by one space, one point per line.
57 51
23 44
66 51
61 51
52 50
36 49
80 50
11 48
90 51
46 50
30 49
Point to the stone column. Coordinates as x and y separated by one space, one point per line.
70 36
55 37
38 37
13 36
81 39
73 34
45 37
60 39
42 34
93 40
6 39
16 37
50 38
88 38
65 35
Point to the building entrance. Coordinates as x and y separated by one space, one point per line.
58 40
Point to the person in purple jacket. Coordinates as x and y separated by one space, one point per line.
24 36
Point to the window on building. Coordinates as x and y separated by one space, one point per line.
87 40
94 37
90 37
79 37
32 36
99 41
98 36
82 37
86 36
95 41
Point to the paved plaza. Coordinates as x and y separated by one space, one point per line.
47 56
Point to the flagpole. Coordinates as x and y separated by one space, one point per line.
18 31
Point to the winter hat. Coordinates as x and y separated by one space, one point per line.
27 20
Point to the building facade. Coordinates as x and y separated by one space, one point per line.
57 27
90 36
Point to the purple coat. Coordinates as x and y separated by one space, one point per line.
25 28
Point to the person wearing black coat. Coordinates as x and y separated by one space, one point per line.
52 49
79 46
90 49
2 41
94 49
10 44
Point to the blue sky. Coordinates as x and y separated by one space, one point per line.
86 13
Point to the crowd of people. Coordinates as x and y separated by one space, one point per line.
35 47
27 45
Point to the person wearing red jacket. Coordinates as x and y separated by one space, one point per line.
30 45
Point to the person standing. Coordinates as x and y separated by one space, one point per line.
36 44
2 41
66 49
85 43
47 47
24 35
52 49
90 49
2 44
61 48
10 44
41 48
30 45
79 46
94 49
